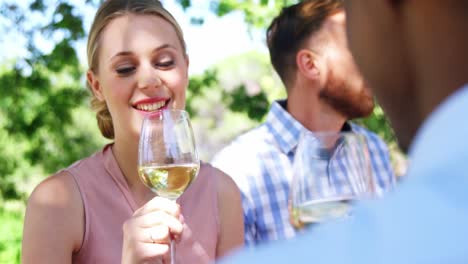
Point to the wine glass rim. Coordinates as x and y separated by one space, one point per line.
159 113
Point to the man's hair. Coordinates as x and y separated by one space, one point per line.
288 31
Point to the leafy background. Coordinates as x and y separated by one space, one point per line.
45 120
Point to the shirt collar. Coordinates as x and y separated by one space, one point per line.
285 129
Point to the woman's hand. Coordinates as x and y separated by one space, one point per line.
147 235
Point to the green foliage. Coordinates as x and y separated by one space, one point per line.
198 86
38 129
67 21
256 106
11 232
379 123
249 84
184 3
256 13
40 93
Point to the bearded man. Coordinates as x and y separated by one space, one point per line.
309 51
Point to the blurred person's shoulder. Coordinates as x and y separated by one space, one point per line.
422 222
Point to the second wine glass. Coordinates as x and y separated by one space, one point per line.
330 170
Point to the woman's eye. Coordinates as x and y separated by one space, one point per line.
125 70
165 64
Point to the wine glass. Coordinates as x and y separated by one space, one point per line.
167 155
330 170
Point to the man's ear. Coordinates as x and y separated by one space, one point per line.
306 62
95 85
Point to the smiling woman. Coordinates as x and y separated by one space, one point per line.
138 67
98 210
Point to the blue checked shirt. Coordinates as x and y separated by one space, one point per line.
260 162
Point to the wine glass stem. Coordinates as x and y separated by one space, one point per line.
173 251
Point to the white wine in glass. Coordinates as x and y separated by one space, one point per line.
167 155
320 210
168 181
330 170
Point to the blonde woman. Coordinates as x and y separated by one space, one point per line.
98 210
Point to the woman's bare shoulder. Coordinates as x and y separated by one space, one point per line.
58 191
54 215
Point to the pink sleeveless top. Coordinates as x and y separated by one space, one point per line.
108 203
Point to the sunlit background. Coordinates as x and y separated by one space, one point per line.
45 119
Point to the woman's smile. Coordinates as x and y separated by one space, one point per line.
152 104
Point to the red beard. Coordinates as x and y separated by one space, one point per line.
349 101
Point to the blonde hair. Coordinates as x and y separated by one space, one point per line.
109 10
